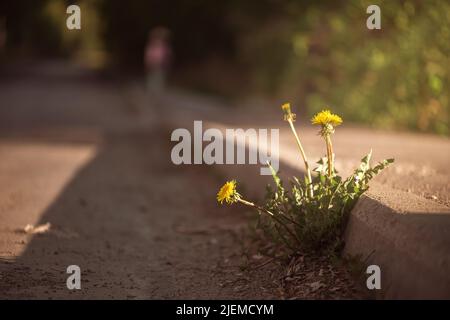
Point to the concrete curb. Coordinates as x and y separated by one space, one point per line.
412 248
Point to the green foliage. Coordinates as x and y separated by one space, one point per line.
316 223
394 78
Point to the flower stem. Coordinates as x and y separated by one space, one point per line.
305 160
329 155
247 203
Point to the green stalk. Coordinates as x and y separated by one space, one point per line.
329 155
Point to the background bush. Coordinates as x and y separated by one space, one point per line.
323 54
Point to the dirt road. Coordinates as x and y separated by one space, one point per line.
92 157
75 154
82 154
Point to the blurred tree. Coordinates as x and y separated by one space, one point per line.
27 29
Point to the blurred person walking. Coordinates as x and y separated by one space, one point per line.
157 60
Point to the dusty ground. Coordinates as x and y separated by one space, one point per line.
81 153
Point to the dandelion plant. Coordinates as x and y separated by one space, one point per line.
313 214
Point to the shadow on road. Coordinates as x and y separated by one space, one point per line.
137 225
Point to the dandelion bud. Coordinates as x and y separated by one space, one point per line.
288 115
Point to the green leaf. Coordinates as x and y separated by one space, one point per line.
275 176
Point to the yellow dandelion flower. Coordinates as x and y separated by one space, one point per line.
325 118
228 193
